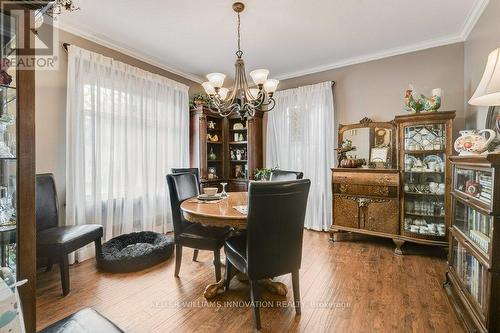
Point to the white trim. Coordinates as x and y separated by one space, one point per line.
473 17
127 51
373 56
469 23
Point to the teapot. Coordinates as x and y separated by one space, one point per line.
472 142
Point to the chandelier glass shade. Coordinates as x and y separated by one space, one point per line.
240 99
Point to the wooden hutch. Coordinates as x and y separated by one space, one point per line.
405 195
225 149
473 277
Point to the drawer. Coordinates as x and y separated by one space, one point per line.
366 190
366 178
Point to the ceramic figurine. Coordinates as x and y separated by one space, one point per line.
211 124
471 142
238 155
422 104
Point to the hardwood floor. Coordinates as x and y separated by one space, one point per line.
346 286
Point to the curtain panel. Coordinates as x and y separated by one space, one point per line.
300 138
126 128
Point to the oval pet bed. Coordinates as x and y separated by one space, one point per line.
135 251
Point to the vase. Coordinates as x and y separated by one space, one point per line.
473 142
211 155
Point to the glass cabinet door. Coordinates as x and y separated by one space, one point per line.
474 183
8 151
470 272
475 225
424 179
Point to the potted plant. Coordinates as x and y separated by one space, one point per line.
263 174
198 99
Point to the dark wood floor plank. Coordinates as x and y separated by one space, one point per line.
346 286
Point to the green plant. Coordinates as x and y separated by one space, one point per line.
198 99
264 173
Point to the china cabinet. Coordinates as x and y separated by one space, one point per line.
226 150
17 163
366 198
425 143
473 277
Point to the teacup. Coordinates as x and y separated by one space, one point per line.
414 228
433 187
431 165
210 191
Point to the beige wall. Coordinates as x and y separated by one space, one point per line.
484 38
375 89
50 107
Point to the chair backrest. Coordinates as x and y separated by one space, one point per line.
181 186
194 171
47 215
280 175
276 212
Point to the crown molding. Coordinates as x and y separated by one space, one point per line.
473 17
469 23
127 51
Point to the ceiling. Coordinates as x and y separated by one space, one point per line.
288 37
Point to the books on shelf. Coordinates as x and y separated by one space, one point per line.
480 239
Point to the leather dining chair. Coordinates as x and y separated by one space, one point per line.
53 242
272 244
196 172
183 186
280 175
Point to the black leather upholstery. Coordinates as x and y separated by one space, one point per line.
194 171
83 321
53 242
272 244
183 186
281 175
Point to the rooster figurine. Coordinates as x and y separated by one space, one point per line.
423 104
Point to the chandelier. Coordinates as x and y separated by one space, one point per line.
241 100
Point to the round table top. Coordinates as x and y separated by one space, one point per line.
220 213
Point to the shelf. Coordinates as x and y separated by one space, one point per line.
238 142
8 92
214 130
477 252
8 158
239 179
238 130
214 142
423 151
425 194
421 172
238 161
214 161
425 215
424 235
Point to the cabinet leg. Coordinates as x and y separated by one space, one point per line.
332 234
399 243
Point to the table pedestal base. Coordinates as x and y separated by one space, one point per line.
274 287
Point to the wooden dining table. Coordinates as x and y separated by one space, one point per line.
222 213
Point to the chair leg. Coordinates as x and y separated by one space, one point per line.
296 291
178 259
48 268
195 255
98 249
64 266
217 265
255 305
227 278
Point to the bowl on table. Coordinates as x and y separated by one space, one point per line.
210 191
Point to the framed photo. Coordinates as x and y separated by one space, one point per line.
493 123
379 155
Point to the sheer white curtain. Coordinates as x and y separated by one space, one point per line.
300 138
125 129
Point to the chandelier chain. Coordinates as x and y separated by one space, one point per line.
239 52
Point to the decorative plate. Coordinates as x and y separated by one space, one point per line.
433 158
238 126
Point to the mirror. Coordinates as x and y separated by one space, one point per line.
367 144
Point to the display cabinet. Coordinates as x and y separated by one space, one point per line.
17 163
226 150
425 143
473 277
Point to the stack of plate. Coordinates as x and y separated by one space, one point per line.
206 197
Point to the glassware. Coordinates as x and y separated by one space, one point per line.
223 194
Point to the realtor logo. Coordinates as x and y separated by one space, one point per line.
29 37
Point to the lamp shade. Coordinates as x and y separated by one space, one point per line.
216 79
271 85
259 76
488 90
209 89
223 93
